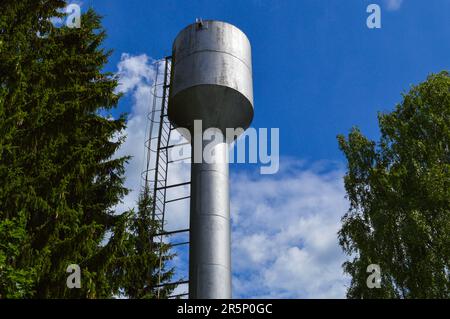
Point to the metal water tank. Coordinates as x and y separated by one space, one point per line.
211 81
211 77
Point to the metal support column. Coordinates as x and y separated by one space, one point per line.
209 256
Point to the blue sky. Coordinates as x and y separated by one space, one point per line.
318 70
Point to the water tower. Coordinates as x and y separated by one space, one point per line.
211 81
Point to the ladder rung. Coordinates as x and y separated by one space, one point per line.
160 188
175 145
180 159
177 199
157 208
163 141
165 131
162 158
158 200
179 244
174 185
171 283
163 177
163 170
171 232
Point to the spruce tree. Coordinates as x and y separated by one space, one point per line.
59 177
144 261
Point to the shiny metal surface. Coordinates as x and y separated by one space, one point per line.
209 255
211 80
211 77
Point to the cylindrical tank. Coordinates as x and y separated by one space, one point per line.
211 81
211 77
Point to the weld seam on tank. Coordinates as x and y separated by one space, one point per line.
215 51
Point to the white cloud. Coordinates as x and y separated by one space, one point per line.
136 77
135 72
393 5
284 233
284 241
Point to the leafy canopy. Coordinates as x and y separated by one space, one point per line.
399 192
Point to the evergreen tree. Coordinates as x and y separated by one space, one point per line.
399 191
138 270
58 176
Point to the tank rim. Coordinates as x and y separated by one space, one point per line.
209 20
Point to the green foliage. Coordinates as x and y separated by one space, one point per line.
137 270
16 281
59 178
399 192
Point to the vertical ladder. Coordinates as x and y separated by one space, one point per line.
157 167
